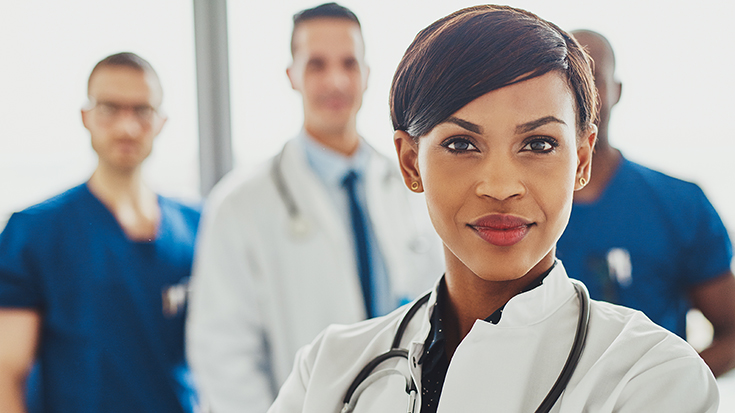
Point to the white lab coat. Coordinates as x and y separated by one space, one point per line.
259 292
629 364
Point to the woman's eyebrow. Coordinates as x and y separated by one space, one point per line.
465 124
529 126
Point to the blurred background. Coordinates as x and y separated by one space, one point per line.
674 58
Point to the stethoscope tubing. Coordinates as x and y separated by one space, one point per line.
395 350
283 191
580 338
298 222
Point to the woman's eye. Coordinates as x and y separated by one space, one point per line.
540 145
459 145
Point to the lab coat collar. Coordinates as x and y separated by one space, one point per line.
435 341
538 304
330 165
524 309
418 339
312 196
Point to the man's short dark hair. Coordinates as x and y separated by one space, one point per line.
604 41
124 59
326 10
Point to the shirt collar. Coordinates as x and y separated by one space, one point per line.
331 166
435 342
494 318
434 345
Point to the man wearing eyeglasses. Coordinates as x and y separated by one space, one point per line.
93 281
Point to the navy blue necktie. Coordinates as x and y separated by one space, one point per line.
362 246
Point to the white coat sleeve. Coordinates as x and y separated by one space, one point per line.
682 385
226 345
292 395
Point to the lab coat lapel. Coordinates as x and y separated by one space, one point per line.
309 192
315 203
403 230
382 208
511 366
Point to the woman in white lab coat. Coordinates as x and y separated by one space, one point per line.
493 109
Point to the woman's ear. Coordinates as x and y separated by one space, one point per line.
408 158
584 157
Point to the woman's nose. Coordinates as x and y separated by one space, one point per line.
500 179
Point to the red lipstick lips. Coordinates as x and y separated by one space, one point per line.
501 230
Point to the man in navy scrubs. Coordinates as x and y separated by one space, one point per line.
646 240
93 281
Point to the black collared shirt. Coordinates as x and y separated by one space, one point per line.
434 361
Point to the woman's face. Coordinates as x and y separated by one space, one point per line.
499 176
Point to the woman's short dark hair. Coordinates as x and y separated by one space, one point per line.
477 50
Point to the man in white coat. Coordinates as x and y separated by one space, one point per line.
325 233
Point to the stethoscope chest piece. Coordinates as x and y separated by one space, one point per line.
298 227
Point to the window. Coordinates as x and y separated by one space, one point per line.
49 51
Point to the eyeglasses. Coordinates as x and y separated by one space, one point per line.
110 111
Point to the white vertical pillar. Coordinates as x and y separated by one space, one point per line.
213 90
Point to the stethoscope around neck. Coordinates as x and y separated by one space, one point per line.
299 226
366 377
